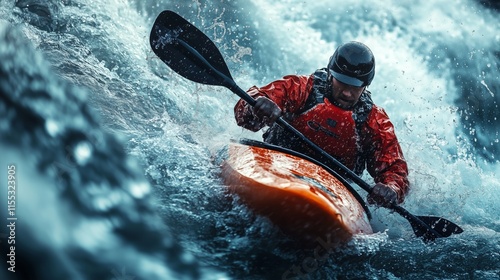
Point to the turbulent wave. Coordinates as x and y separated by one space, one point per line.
116 153
82 201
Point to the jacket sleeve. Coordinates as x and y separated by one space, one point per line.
289 93
385 160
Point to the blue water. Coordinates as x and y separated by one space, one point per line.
114 153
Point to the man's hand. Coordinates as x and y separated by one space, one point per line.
266 110
382 195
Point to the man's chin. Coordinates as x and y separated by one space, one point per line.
345 105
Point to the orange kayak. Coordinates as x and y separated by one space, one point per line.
300 197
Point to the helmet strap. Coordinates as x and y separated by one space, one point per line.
329 86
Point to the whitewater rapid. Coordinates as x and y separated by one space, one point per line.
115 152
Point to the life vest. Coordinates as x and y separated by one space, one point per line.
335 130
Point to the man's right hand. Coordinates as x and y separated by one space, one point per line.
266 110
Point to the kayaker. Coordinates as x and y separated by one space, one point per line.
333 108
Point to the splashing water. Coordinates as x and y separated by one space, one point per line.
117 151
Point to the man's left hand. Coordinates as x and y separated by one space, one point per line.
383 195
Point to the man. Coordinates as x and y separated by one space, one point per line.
333 109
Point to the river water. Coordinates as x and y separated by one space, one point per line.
113 153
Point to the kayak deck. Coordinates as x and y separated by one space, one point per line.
299 197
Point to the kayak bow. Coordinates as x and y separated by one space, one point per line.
301 198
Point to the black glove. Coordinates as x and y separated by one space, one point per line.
382 195
266 110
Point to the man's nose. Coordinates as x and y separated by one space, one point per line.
347 91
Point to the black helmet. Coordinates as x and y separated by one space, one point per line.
353 64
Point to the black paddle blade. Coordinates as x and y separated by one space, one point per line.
187 50
429 227
434 227
442 226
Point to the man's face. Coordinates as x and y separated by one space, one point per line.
345 96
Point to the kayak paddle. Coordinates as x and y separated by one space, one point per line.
190 53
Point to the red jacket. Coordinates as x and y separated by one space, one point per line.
334 130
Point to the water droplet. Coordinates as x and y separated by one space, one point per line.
82 152
139 189
52 127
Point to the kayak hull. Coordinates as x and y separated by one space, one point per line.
301 198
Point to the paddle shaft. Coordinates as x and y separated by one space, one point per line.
184 52
231 85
